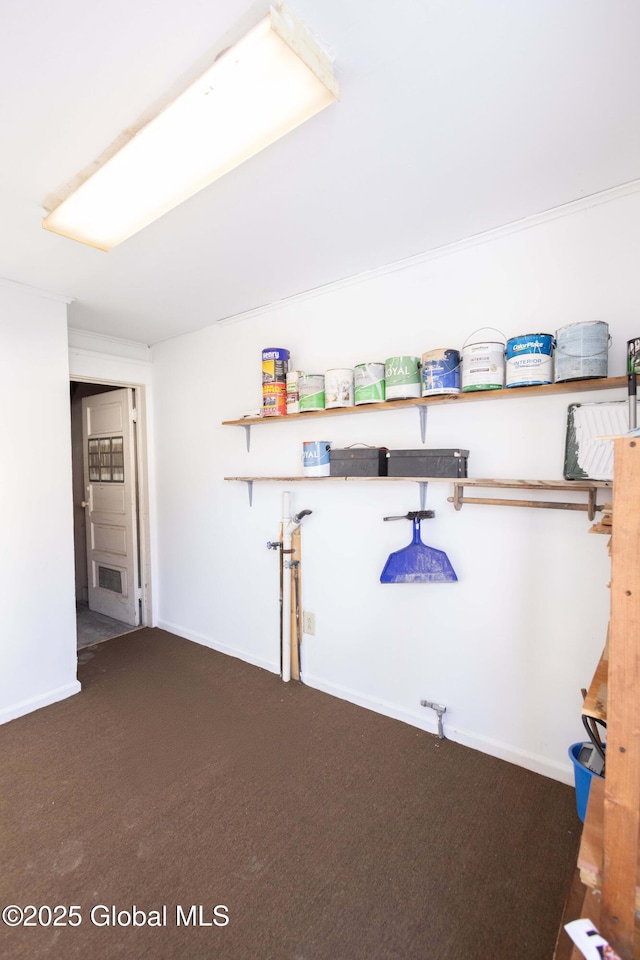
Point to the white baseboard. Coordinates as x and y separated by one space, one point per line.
424 721
35 703
428 721
205 641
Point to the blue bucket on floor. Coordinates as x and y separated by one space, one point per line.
583 777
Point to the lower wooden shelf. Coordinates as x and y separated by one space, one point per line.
459 483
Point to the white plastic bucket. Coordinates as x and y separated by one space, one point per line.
338 388
582 351
315 458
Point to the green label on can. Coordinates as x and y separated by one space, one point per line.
312 401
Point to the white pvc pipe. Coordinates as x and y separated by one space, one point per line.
287 527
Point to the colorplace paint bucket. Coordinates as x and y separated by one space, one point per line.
293 392
440 372
402 378
311 391
369 383
482 366
315 458
275 363
582 351
529 360
338 388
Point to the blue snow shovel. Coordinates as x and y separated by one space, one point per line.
417 563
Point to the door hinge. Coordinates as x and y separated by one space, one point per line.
134 415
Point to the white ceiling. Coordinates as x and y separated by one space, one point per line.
456 116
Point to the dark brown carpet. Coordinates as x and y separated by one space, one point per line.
180 776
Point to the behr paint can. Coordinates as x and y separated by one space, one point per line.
582 351
369 383
440 372
293 391
402 378
311 390
529 360
338 388
315 458
482 366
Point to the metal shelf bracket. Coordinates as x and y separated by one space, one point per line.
422 411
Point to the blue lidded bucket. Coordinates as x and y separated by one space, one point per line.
583 777
529 361
315 458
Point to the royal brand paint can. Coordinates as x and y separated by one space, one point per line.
529 360
440 372
293 391
369 383
338 387
311 391
482 366
315 458
275 364
582 351
274 399
402 378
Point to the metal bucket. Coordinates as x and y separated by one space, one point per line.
529 360
582 351
369 383
482 366
440 372
402 378
338 388
311 390
316 458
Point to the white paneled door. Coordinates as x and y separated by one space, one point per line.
109 442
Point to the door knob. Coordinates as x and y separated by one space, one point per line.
85 503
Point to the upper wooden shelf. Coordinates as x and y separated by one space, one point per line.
512 393
456 481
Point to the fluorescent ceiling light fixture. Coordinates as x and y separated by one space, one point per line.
268 83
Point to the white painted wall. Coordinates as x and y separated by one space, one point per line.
508 648
38 633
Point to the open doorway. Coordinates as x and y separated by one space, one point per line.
109 508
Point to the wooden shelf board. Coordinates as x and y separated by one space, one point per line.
458 481
551 389
590 855
595 702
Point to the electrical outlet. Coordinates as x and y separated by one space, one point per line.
309 623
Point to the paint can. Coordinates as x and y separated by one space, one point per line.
402 378
440 372
482 366
338 388
275 363
293 391
315 458
582 351
311 391
274 399
529 360
369 383
633 355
